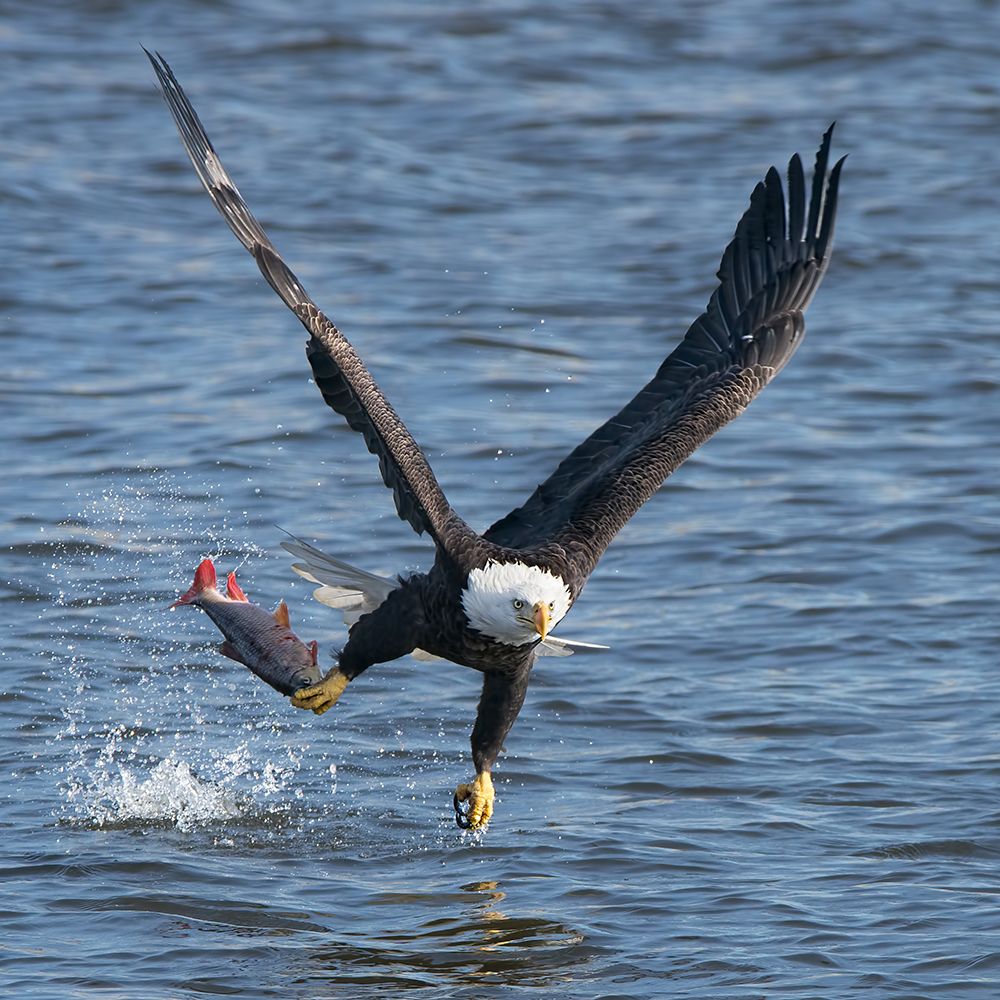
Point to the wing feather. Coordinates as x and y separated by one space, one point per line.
752 325
345 382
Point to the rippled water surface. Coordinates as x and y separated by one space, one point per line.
781 781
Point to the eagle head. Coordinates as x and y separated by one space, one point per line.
514 603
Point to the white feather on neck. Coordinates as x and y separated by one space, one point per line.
488 600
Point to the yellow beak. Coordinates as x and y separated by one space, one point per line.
542 618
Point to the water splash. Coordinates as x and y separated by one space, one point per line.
112 780
171 793
143 702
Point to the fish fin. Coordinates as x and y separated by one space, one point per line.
314 649
233 590
204 579
228 649
280 614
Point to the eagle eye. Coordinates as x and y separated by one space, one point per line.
518 604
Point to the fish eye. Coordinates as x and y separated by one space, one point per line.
518 604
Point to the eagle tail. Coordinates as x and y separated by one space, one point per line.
553 645
352 591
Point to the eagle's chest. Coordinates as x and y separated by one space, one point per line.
473 649
449 633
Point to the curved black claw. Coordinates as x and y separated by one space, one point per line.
461 816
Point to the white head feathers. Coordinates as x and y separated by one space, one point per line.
500 600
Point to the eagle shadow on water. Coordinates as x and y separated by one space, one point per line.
491 599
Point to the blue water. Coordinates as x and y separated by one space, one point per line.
780 781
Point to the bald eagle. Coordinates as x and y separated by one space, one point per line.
491 598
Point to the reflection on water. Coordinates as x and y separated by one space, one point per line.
478 945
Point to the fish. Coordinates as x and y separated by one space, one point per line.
259 639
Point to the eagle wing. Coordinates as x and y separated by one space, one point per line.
340 374
752 325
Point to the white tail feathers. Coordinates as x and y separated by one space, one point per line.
552 645
332 571
352 591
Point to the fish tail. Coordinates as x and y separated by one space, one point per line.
204 579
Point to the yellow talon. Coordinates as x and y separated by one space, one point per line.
321 696
479 794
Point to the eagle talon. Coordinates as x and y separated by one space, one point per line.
322 696
480 795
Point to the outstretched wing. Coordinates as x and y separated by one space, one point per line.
752 325
341 375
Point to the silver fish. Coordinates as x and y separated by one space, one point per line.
259 639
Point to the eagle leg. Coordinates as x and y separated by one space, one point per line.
323 696
501 700
479 794
381 635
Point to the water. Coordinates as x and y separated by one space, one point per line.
782 779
